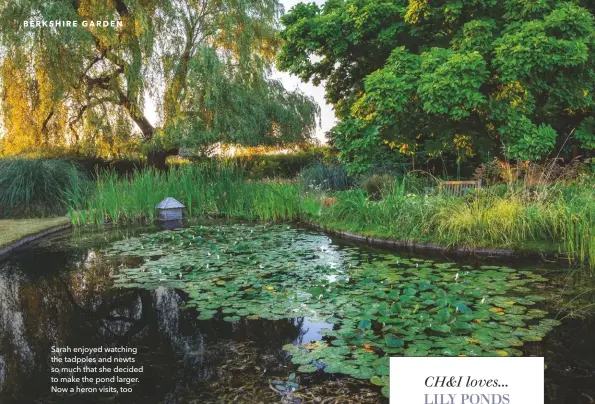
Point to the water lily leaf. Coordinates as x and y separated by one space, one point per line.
463 308
442 328
365 324
378 381
393 342
308 368
461 327
396 308
443 315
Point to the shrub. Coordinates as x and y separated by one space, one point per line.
529 174
376 184
281 165
92 165
39 187
324 177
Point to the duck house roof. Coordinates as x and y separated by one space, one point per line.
169 203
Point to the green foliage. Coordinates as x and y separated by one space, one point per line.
213 189
322 177
39 187
546 218
380 308
450 82
449 78
376 185
204 64
527 141
585 134
580 229
283 165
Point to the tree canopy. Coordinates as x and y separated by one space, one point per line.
204 63
514 77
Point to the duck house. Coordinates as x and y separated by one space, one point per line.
169 209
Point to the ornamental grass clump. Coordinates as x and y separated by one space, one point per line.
39 187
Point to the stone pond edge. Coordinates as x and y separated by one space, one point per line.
7 249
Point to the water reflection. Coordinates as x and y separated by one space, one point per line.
58 293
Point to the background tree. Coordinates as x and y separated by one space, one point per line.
456 77
203 62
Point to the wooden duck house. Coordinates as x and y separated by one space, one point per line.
169 209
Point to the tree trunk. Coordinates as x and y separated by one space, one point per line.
157 158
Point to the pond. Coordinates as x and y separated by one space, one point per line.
235 312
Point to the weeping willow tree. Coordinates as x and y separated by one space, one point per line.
171 73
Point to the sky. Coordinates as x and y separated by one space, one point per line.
292 82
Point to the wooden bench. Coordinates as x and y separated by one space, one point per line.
458 188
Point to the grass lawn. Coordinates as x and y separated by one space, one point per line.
14 230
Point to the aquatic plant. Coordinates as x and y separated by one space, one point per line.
208 189
387 306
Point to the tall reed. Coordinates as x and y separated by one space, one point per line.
552 218
580 230
209 189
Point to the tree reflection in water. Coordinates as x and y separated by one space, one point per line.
58 293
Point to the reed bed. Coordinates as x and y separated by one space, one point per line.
205 190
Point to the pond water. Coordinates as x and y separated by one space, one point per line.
258 314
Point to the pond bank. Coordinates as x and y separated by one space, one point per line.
17 232
413 246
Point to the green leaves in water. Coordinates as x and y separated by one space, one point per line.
268 272
387 307
396 307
